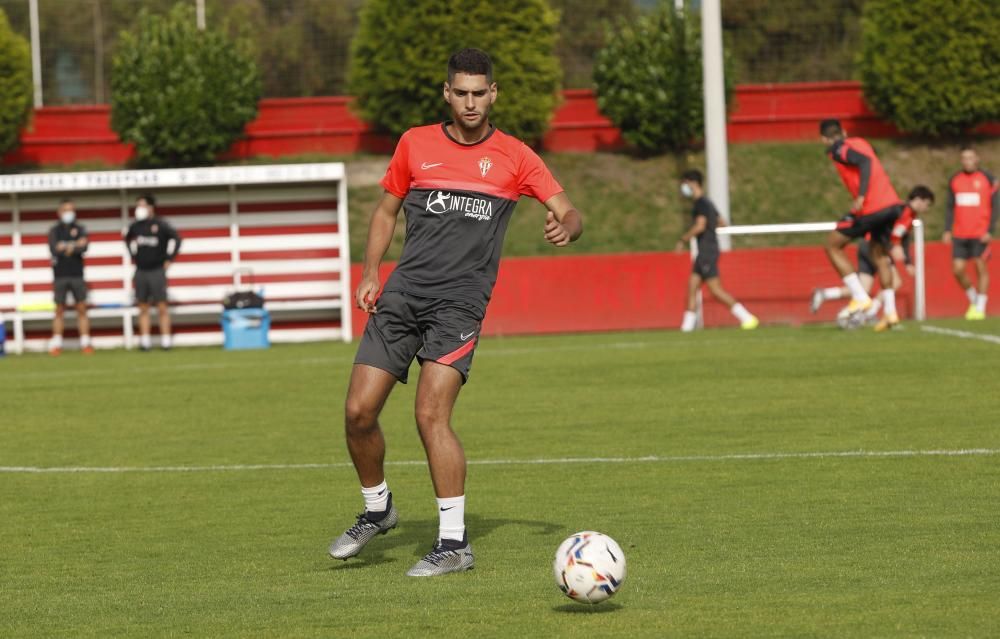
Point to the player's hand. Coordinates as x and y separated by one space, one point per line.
911 269
555 233
366 294
680 247
986 238
166 265
946 237
859 203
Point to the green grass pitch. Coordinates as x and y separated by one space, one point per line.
718 475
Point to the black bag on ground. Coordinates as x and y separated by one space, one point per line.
242 299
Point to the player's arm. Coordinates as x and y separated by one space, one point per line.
171 235
697 228
949 214
994 210
83 241
864 164
563 223
381 226
55 246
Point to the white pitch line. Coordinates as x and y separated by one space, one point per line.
877 454
983 337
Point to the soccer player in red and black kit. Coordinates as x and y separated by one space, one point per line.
457 183
875 209
970 221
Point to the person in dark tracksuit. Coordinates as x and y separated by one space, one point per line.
154 244
67 244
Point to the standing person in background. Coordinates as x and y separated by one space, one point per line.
706 266
154 244
67 243
969 223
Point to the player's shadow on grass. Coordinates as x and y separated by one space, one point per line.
421 534
587 609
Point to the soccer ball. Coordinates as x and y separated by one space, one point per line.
849 321
589 567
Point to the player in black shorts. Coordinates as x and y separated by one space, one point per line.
705 219
67 243
457 183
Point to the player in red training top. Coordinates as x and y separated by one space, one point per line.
970 220
458 183
875 209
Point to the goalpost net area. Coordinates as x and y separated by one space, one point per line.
776 284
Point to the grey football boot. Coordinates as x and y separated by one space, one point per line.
447 556
364 530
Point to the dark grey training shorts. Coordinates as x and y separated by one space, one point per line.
968 248
150 286
63 286
405 326
706 265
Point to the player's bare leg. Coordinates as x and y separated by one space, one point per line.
890 318
58 326
144 326
747 320
958 269
835 244
367 393
437 392
978 311
690 321
163 313
83 326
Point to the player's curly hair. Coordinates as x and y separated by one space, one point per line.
921 192
472 62
693 175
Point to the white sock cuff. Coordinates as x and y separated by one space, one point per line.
981 300
832 293
451 514
740 311
971 294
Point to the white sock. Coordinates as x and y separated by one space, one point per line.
833 293
971 294
853 284
741 313
875 307
689 322
84 341
451 511
889 298
376 498
55 342
145 341
981 302
166 341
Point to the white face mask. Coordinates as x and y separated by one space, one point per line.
686 190
141 212
68 217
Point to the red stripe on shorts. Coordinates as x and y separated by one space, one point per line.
458 353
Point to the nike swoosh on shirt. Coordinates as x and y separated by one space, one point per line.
426 166
464 337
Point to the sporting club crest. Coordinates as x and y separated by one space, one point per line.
485 164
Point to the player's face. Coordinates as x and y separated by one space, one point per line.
920 205
65 206
470 98
970 160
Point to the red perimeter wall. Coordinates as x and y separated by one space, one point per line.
293 126
562 294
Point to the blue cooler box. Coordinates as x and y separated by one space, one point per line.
245 328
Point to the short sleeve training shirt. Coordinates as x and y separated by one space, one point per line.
458 199
708 242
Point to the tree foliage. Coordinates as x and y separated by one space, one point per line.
931 69
15 85
400 54
649 79
582 30
181 95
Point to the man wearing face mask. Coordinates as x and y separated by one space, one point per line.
705 219
154 244
68 243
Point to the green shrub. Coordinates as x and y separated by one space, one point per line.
931 68
181 95
648 79
15 85
400 53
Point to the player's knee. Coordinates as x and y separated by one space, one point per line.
359 417
60 311
429 417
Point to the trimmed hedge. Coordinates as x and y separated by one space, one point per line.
649 79
931 67
181 95
400 53
16 86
